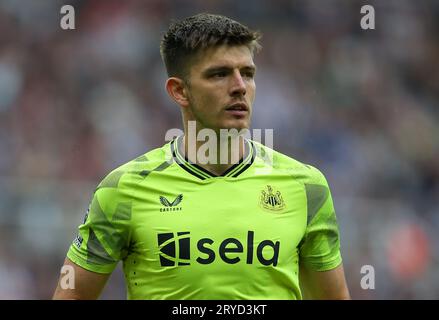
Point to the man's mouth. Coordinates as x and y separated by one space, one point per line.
238 108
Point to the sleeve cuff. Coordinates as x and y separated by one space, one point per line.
75 258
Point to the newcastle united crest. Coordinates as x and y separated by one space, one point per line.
271 199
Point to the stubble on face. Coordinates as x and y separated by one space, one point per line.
221 88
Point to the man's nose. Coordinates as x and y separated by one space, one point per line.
238 84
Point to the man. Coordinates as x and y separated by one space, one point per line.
185 228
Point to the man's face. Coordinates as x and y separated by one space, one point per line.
222 88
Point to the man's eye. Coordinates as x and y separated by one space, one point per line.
219 74
249 75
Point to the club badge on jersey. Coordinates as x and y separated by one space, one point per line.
271 199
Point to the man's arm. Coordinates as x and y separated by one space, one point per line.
323 285
88 285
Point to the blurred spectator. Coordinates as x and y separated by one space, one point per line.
360 105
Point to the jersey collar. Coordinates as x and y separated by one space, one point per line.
234 171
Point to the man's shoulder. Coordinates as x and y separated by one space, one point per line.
138 168
306 173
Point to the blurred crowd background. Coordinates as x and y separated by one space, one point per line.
361 105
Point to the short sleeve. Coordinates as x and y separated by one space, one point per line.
104 236
320 247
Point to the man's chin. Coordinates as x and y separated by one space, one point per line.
237 125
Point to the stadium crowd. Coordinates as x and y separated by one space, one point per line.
361 105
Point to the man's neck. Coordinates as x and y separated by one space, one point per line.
217 157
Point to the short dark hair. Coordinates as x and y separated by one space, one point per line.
186 38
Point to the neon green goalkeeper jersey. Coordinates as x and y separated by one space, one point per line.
184 233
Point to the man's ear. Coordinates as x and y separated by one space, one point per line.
177 91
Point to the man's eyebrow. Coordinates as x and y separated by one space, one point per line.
250 68
216 69
223 68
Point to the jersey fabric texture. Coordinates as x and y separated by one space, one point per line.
184 233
